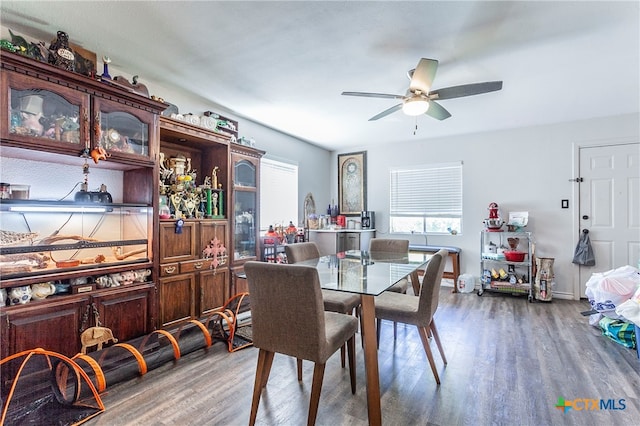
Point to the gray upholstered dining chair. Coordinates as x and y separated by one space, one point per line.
388 245
418 311
288 317
334 301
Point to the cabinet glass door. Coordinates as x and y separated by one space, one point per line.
244 226
244 174
122 131
45 114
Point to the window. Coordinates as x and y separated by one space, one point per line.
426 199
278 193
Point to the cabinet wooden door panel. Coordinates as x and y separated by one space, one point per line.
176 247
244 205
55 327
210 230
127 312
125 132
177 298
213 289
240 284
32 101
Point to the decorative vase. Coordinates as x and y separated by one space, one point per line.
40 291
20 295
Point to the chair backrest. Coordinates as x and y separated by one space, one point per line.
287 309
389 245
299 252
430 289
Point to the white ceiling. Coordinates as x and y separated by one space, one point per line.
285 64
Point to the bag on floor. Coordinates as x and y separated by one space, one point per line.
630 309
607 290
619 331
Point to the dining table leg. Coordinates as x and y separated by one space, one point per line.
371 359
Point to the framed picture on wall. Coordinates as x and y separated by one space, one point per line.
352 183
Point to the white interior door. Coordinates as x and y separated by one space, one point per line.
610 206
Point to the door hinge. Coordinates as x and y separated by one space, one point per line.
578 179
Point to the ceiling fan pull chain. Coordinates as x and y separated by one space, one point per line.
416 129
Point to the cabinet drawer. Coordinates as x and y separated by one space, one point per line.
169 269
195 265
178 247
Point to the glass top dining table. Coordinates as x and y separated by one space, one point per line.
368 274
364 272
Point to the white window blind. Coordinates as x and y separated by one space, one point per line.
432 192
278 193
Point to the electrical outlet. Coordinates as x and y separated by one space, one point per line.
565 204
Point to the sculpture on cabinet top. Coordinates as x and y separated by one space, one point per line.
60 54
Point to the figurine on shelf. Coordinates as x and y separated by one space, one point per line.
271 232
214 177
99 153
291 232
214 203
60 54
31 111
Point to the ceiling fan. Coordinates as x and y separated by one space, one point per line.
420 99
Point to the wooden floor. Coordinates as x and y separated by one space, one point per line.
509 362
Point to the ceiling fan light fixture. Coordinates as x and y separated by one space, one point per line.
415 106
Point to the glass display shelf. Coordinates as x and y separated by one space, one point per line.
44 237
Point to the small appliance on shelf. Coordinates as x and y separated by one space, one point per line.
493 223
367 219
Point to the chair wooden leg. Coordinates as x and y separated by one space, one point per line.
299 364
427 349
316 387
265 359
351 350
378 324
268 362
395 331
436 337
342 355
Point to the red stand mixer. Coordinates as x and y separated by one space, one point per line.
493 223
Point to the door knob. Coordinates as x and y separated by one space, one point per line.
585 217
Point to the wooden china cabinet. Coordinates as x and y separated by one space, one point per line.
54 116
191 285
244 207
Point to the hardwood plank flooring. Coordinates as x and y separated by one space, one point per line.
509 362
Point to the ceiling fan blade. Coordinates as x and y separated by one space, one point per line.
422 77
437 111
465 90
373 95
386 112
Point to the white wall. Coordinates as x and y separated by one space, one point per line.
526 169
